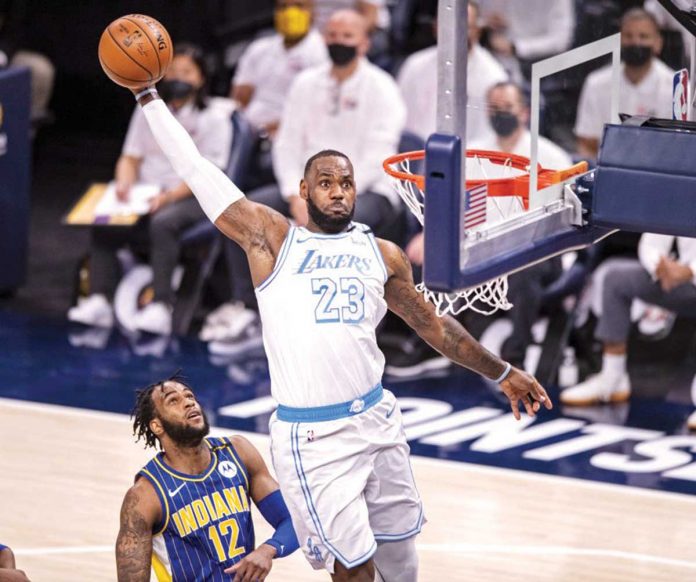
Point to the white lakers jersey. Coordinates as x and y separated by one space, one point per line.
319 309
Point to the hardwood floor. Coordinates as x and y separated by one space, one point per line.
64 472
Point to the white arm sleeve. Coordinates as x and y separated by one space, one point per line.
214 191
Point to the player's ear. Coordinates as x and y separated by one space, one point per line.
156 427
304 189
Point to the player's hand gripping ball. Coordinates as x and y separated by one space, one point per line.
135 51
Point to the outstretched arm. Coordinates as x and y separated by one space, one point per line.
267 497
449 338
259 230
139 513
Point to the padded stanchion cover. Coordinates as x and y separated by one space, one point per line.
646 178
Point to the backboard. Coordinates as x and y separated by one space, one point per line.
459 256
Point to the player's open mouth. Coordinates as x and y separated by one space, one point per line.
192 415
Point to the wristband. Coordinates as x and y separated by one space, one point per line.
148 91
505 374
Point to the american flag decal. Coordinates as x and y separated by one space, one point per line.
476 206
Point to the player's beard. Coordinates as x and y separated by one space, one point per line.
186 436
329 223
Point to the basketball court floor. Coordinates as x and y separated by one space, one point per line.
606 494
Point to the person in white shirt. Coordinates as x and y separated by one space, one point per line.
260 86
677 39
645 87
528 31
172 211
509 114
657 277
418 84
349 105
322 290
270 64
371 10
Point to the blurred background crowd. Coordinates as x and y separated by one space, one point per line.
263 85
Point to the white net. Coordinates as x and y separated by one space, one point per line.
490 296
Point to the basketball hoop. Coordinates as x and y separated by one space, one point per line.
500 177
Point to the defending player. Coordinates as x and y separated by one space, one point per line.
188 514
8 570
338 445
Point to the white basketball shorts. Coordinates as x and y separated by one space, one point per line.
347 482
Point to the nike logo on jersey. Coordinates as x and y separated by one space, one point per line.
313 261
393 408
179 488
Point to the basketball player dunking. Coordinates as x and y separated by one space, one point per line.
338 444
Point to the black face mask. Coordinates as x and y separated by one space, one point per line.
342 54
504 123
328 223
175 90
635 55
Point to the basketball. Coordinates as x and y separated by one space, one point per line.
135 51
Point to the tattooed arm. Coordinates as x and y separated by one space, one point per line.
259 230
448 337
140 511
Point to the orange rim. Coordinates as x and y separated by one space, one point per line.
512 186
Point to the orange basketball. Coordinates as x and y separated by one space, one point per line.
135 51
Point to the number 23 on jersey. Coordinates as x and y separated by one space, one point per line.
342 301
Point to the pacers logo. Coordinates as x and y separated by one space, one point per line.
3 136
227 469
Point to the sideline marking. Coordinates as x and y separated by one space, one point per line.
461 548
465 548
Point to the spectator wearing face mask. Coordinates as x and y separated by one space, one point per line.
172 211
349 105
645 85
270 64
371 10
418 84
508 115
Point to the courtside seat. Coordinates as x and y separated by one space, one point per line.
203 242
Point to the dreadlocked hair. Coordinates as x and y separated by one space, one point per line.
144 410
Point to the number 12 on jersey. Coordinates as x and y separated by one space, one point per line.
350 290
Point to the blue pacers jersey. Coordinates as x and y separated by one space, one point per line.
206 523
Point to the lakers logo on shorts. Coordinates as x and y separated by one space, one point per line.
314 550
357 406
